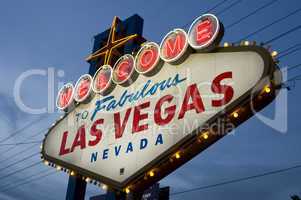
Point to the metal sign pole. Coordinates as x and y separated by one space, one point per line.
76 188
136 196
119 196
153 193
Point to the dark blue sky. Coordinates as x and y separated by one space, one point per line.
41 34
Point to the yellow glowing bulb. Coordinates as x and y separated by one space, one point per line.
226 44
151 174
104 187
88 180
274 53
46 162
246 43
58 168
235 115
41 146
127 190
72 173
267 89
205 136
178 156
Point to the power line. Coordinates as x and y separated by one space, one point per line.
266 26
249 15
24 178
283 34
23 150
38 133
11 144
204 187
291 83
21 143
18 153
297 77
207 11
29 181
286 54
20 170
288 49
23 128
19 161
43 175
216 6
252 13
294 67
294 79
32 136
229 7
238 180
215 185
270 24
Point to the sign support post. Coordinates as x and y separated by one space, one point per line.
76 188
154 192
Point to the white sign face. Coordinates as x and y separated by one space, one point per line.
117 135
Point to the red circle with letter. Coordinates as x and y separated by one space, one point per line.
83 88
65 96
123 69
203 31
147 58
173 45
102 79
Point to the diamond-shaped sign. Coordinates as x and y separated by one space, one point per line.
137 134
138 120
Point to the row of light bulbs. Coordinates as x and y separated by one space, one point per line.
203 136
73 173
249 43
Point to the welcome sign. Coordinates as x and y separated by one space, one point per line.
132 124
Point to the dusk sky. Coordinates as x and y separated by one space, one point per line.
58 35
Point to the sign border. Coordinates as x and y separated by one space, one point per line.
139 181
